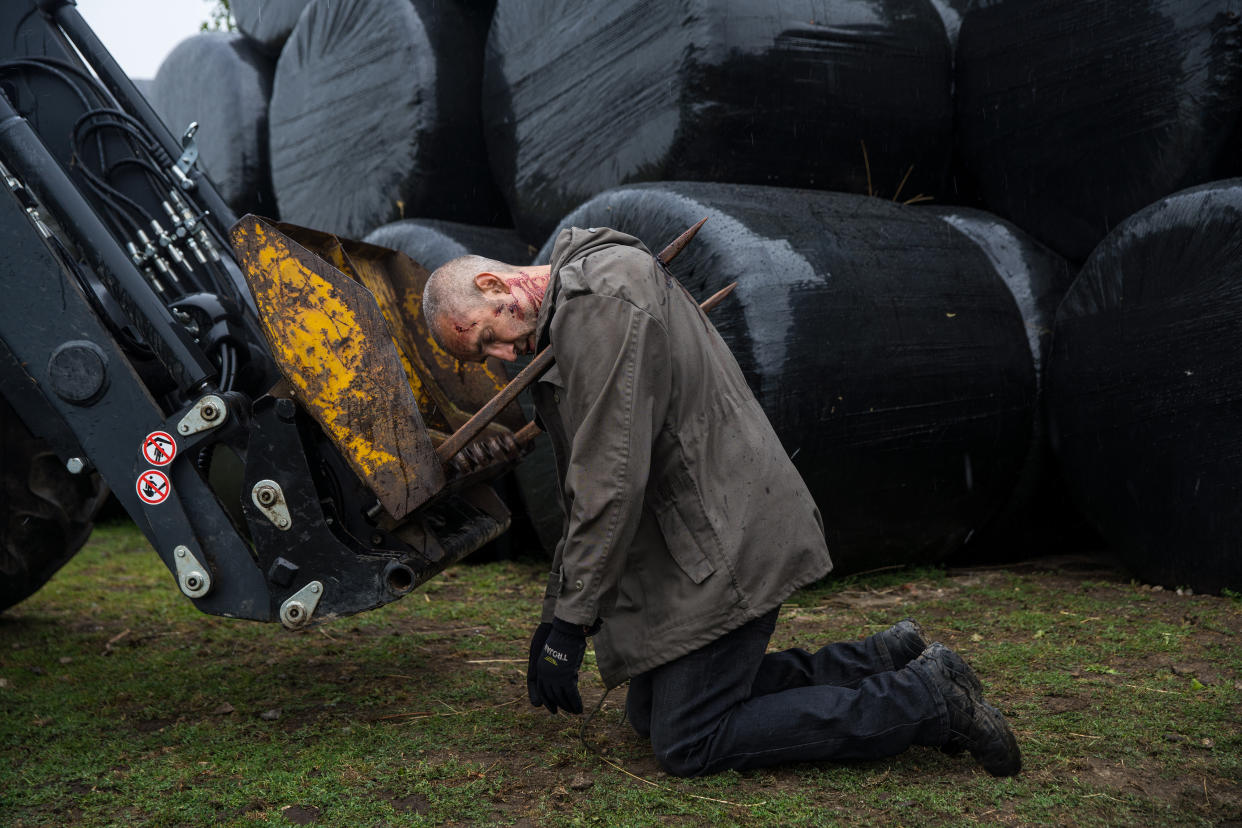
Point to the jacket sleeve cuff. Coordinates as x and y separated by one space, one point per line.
566 628
583 616
577 629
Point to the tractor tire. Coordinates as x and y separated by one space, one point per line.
46 513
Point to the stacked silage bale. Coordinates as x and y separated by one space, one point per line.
1071 116
1145 389
222 82
830 94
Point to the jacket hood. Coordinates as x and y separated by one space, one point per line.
574 244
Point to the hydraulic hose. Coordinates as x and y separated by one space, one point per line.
27 158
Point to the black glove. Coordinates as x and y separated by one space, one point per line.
536 649
556 673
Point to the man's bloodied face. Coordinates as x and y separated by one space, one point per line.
503 324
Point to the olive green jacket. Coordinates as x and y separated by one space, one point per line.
684 518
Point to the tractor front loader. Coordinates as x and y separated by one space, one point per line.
262 399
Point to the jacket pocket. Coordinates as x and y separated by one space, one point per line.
687 533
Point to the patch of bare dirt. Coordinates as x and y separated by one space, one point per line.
1196 791
1057 703
408 804
300 814
152 725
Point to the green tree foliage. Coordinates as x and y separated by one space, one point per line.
219 18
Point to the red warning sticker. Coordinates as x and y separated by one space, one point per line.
153 487
159 448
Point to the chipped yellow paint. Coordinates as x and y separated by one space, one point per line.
334 346
323 340
369 270
362 273
370 277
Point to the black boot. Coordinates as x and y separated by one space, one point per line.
956 743
974 724
903 642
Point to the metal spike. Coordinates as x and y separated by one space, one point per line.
679 244
717 297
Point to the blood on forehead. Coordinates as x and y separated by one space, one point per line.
465 346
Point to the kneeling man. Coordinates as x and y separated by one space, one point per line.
686 526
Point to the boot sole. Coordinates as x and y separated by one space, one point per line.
1001 755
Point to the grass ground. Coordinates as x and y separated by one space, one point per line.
121 705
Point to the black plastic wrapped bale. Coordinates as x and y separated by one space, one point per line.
1037 277
267 22
375 116
888 355
431 242
1038 514
583 96
951 12
1145 389
1072 115
223 82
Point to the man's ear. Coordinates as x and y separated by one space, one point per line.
490 283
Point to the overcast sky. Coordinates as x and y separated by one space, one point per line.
141 33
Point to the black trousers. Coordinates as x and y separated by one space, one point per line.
730 705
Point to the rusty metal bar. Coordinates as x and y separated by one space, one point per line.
527 433
458 439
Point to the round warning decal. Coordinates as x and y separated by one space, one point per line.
153 487
159 448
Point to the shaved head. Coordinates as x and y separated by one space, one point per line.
451 292
477 307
